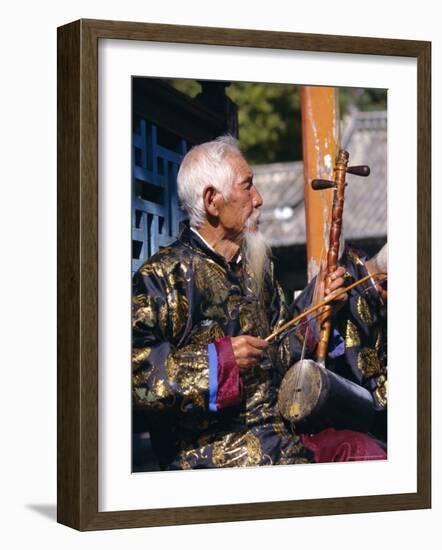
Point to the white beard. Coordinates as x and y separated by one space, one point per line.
256 252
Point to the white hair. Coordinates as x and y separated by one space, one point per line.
204 165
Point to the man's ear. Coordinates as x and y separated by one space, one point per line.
211 200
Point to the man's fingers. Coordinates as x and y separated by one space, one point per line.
338 273
335 284
251 352
248 350
340 298
258 343
249 359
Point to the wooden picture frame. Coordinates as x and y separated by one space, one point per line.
78 274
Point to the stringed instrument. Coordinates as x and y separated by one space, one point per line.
311 396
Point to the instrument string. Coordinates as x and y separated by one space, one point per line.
299 375
333 296
305 322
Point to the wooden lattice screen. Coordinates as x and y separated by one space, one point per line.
156 214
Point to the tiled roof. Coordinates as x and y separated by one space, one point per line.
365 211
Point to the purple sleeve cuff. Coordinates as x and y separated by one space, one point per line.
224 379
336 345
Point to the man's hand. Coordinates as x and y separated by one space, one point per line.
248 350
336 283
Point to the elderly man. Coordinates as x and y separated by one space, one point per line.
202 309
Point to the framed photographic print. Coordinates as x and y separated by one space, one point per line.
173 444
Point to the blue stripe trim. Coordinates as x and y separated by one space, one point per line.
213 377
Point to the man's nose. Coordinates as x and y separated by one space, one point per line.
257 199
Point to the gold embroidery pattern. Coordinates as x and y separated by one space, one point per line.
292 451
368 362
166 376
161 390
191 399
283 355
378 339
210 279
184 463
139 356
246 319
257 392
351 336
356 259
219 457
162 315
141 377
159 397
172 367
382 391
213 312
152 268
238 450
233 306
144 311
207 334
191 457
195 375
288 459
364 311
279 428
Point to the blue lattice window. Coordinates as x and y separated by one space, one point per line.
156 214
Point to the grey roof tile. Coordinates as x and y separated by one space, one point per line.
365 214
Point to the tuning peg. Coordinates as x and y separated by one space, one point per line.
363 171
322 184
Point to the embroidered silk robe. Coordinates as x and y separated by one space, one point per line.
185 298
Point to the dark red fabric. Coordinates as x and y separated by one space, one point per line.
229 383
332 445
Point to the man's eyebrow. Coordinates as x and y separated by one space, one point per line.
246 179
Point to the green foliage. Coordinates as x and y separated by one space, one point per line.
269 115
189 87
362 99
269 120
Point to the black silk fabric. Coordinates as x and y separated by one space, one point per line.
184 298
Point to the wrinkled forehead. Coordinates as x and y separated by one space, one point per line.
239 165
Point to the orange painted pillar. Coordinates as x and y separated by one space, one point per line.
320 136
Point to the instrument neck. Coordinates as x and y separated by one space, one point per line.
333 250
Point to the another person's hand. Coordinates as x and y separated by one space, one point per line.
248 350
376 265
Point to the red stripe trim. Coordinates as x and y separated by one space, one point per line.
229 383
